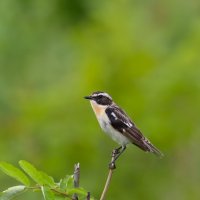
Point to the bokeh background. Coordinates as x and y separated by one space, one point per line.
146 54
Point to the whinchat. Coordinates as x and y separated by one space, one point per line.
116 123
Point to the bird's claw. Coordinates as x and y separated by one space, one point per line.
112 165
115 152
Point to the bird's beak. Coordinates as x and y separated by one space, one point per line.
88 97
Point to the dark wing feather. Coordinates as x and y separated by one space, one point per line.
120 121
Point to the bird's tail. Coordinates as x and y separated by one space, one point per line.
151 148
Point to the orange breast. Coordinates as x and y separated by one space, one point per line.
98 109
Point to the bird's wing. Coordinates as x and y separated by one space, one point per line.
120 121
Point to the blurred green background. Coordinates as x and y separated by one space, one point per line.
145 54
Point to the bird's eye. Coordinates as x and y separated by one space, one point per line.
100 96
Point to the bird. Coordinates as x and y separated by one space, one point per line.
118 125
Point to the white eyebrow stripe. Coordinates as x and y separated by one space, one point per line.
107 95
103 93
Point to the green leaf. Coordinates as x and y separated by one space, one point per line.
38 176
12 192
79 191
63 183
48 179
14 172
70 182
67 182
47 193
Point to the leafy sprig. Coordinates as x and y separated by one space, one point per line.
51 190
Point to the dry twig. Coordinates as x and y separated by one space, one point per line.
76 179
112 166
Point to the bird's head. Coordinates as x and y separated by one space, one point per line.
101 98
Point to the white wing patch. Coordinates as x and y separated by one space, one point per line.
128 124
113 114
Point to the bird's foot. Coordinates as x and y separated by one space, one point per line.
115 154
112 165
117 150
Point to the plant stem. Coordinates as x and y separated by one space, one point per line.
60 193
111 169
107 184
52 189
76 179
88 196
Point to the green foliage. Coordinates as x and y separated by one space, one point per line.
47 193
14 172
50 190
67 182
39 177
12 192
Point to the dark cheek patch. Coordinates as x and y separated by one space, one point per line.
104 101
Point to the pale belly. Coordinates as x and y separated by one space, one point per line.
115 135
107 128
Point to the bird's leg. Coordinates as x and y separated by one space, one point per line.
115 155
122 148
117 150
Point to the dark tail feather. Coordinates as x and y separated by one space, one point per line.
145 145
152 149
